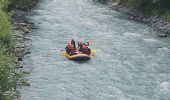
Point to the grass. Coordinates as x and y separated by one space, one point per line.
8 72
5 29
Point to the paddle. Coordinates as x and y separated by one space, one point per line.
94 51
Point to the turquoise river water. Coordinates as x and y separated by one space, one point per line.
131 62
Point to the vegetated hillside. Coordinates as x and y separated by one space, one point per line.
8 62
149 7
7 70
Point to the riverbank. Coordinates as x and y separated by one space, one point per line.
13 31
158 23
22 27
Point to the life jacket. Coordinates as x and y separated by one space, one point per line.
85 49
88 51
85 46
69 48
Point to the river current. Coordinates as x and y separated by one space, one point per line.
131 62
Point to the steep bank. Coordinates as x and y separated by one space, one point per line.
157 22
13 30
22 27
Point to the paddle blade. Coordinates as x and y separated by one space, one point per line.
93 51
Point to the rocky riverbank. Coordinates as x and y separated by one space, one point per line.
22 28
158 23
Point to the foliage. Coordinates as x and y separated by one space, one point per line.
4 4
167 16
8 73
5 30
150 7
146 3
9 76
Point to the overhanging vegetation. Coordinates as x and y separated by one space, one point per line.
8 72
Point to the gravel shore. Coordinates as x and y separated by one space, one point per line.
22 28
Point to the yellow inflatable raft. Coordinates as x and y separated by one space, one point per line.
78 57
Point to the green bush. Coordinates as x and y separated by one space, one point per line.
4 4
9 76
167 16
8 73
5 30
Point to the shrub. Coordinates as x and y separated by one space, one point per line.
167 16
5 30
8 73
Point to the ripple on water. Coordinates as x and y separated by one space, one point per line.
163 91
133 35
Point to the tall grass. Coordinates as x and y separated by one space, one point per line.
5 29
8 73
9 76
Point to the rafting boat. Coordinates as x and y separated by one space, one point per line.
81 53
76 57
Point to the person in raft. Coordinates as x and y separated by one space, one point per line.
73 43
69 48
80 45
82 48
86 50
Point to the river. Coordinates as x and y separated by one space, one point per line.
131 62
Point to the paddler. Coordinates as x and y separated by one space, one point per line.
69 49
86 50
80 45
73 43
